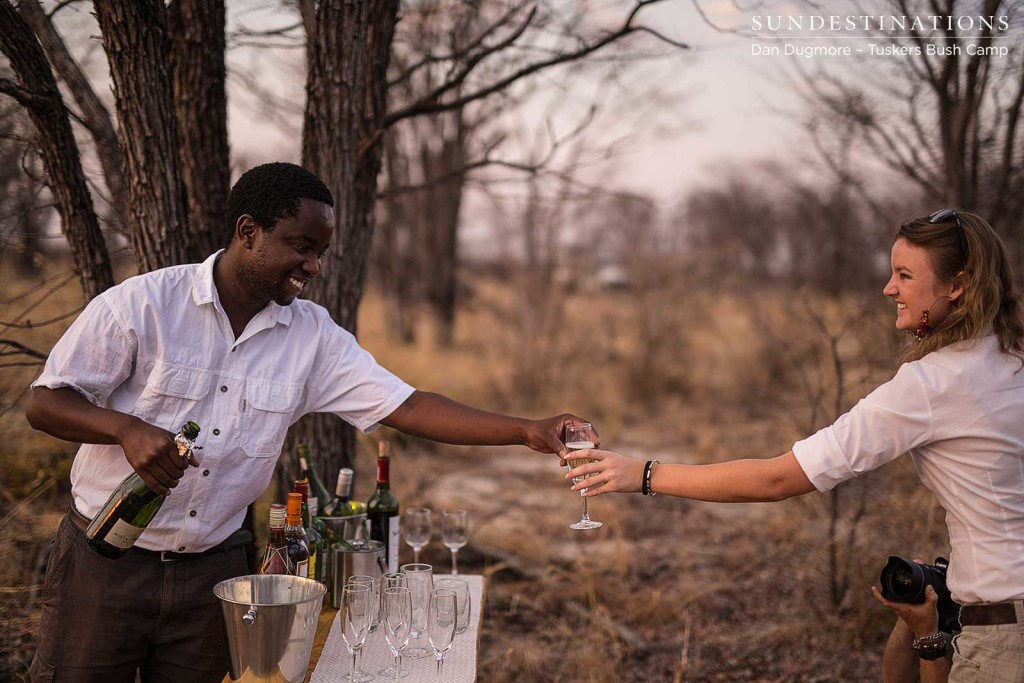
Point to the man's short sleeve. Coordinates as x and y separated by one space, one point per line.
93 357
348 382
891 420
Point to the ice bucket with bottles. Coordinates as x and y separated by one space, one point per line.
270 621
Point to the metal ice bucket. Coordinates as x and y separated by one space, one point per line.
354 558
270 621
343 528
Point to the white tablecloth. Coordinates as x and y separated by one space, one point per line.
459 664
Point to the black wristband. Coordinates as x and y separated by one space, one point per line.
933 654
645 483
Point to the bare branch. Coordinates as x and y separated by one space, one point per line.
43 323
21 348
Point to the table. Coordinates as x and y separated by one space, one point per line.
330 661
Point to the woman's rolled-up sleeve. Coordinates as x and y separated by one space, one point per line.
891 420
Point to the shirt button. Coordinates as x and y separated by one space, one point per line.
181 548
192 513
216 432
206 473
224 388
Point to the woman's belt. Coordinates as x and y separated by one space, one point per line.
991 614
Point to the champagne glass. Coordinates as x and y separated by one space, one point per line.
416 530
355 622
420 578
391 580
441 621
397 620
455 532
374 584
580 436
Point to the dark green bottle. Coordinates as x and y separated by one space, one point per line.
316 486
132 506
382 509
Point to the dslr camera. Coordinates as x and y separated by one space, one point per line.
904 580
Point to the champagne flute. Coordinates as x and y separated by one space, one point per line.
355 622
455 533
397 620
420 578
416 529
392 580
580 436
441 622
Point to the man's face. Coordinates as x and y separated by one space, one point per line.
279 264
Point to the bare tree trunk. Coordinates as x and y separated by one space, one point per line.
397 265
94 113
136 42
200 101
341 142
38 93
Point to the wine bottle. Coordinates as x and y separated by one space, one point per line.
298 550
133 505
382 509
316 486
318 556
309 534
275 557
343 505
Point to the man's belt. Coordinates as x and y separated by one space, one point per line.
235 540
991 614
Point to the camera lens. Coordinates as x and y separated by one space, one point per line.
902 581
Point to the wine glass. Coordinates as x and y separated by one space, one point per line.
441 621
374 584
455 532
416 530
397 620
355 622
391 580
580 436
420 578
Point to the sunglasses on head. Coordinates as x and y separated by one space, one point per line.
943 215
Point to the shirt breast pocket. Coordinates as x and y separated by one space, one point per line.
266 416
172 395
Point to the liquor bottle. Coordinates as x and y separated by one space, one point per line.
318 556
316 486
298 550
382 509
132 505
310 535
343 505
275 557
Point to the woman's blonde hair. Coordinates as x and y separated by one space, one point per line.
991 299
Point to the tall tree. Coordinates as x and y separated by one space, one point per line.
37 91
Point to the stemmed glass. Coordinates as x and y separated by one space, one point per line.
392 580
420 578
441 623
397 620
455 532
416 530
580 436
355 622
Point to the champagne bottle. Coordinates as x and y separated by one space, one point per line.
133 505
313 540
316 487
298 550
343 505
275 557
382 509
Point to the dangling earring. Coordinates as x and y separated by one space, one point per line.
923 328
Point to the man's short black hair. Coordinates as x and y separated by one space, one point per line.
270 192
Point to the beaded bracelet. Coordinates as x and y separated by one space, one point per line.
645 484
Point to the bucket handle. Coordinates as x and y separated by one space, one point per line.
250 616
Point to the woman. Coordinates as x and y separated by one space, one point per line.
956 404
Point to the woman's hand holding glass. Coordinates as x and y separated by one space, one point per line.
609 472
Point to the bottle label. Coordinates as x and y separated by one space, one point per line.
393 544
302 569
123 535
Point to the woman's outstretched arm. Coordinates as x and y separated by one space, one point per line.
737 481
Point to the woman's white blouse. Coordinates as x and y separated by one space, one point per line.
959 412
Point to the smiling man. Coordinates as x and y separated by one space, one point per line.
225 343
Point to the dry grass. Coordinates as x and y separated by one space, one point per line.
667 590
